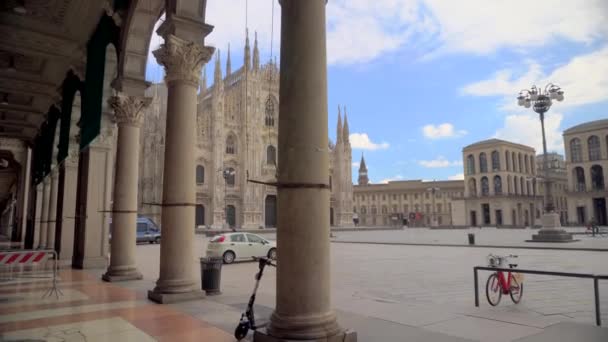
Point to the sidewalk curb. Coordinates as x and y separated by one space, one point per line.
582 249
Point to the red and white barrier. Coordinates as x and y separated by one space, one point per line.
23 257
16 259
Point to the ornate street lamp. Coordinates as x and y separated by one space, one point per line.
541 100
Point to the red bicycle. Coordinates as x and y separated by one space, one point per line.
498 284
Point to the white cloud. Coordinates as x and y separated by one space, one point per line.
584 79
483 27
444 130
459 176
439 162
386 180
363 142
359 31
525 129
356 164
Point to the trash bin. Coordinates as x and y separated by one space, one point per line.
471 239
211 275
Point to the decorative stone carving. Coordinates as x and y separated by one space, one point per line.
183 60
129 110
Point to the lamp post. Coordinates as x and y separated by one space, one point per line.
533 216
541 100
432 190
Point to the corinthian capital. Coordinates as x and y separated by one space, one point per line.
183 60
129 109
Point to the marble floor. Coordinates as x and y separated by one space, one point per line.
91 310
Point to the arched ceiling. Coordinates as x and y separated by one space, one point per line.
40 40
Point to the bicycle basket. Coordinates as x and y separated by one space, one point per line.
494 261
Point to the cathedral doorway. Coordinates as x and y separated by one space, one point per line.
231 216
200 215
270 211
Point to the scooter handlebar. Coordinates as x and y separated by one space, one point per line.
265 260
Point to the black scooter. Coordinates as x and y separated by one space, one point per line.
248 318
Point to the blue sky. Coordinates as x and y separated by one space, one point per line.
421 79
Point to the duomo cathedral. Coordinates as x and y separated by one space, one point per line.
237 118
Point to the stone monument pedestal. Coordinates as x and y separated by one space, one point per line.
551 230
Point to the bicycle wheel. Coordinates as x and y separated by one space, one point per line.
493 290
516 290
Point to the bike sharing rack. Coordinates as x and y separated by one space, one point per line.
9 260
596 279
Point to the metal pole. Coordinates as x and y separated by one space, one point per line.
476 287
548 200
598 315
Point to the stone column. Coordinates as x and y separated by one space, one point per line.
44 216
303 301
52 217
37 215
67 201
129 111
183 61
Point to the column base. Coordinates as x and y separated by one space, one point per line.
551 230
112 277
344 336
169 298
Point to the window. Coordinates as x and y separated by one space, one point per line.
269 110
532 165
404 196
594 148
142 227
497 185
406 208
485 186
507 160
514 160
415 196
509 188
472 187
394 197
597 177
470 164
254 238
394 208
428 208
384 197
230 145
576 153
522 188
373 197
527 167
439 207
237 238
384 209
520 165
363 210
374 210
229 176
579 179
495 161
426 195
200 215
528 188
483 162
271 155
515 186
355 210
440 220
200 174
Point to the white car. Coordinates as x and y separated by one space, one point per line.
243 246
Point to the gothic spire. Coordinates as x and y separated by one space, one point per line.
203 81
228 63
247 62
256 53
345 130
363 179
217 76
339 128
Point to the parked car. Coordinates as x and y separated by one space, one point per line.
240 246
147 230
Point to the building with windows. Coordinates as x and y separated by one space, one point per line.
416 203
237 139
501 184
586 148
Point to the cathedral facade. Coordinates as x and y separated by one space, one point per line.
237 143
